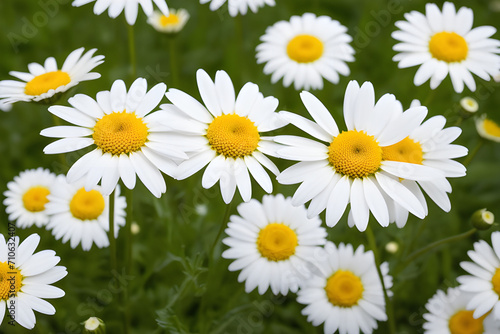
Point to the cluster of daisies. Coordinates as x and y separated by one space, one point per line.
72 213
381 163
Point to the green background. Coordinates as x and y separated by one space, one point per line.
170 262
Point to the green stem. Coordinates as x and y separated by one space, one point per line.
131 50
128 254
429 98
473 153
174 65
431 246
388 303
111 235
219 233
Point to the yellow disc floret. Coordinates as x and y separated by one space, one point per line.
495 280
170 20
44 82
35 198
407 150
10 281
344 288
233 135
86 205
305 48
355 154
277 242
449 47
491 128
463 322
120 133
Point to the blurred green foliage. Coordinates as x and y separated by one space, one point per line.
172 287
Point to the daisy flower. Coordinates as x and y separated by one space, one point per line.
488 129
272 243
350 167
42 83
305 50
81 216
345 292
239 6
131 7
27 196
442 43
172 23
447 314
226 134
428 145
31 275
128 141
484 278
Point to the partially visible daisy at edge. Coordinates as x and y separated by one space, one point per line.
44 82
305 50
347 166
171 23
345 293
236 7
444 42
272 243
483 279
488 128
130 7
33 275
128 138
428 145
82 217
447 314
225 134
27 196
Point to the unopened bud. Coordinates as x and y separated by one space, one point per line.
482 219
392 247
94 325
135 228
469 104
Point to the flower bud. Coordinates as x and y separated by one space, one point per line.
94 325
392 247
482 219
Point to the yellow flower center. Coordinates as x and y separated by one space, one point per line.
44 82
305 48
120 133
233 135
406 150
10 281
344 289
35 198
448 46
86 205
355 154
462 322
172 19
491 128
495 280
277 242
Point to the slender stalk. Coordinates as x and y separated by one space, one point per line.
111 234
129 196
473 153
388 303
429 98
219 233
128 255
433 245
131 50
174 64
